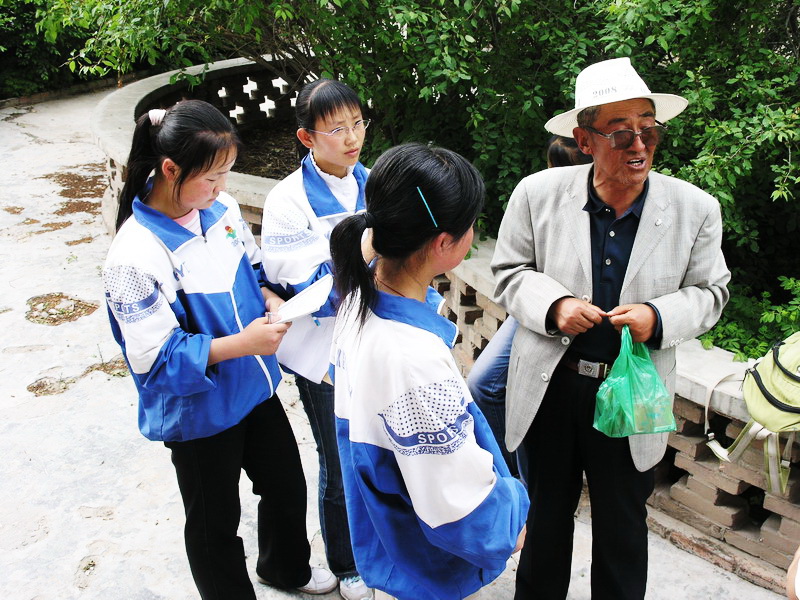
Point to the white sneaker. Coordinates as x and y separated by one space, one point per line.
322 581
354 588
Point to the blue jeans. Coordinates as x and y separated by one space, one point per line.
317 401
487 384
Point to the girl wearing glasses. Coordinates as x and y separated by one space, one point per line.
434 511
299 215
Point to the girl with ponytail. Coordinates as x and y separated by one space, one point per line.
434 512
187 306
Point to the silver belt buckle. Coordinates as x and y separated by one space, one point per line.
590 369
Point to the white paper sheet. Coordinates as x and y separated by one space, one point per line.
302 350
306 302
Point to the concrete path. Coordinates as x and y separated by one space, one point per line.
89 509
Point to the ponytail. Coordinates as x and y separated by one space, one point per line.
564 152
351 272
141 162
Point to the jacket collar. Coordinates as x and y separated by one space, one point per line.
168 231
320 197
423 315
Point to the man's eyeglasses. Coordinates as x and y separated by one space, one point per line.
342 132
622 139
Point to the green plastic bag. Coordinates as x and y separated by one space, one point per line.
633 399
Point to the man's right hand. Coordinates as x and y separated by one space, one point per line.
573 316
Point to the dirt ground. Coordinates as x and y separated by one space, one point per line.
270 150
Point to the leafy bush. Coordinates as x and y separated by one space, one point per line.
482 77
28 64
751 323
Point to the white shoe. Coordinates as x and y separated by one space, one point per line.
354 588
322 581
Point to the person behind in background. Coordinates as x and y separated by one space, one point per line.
434 512
581 252
299 214
488 376
188 309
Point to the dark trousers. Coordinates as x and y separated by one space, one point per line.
317 399
560 446
208 472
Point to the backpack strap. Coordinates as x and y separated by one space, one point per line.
710 387
777 467
751 431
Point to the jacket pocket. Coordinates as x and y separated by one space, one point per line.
666 285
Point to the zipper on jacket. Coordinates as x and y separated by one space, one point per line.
258 359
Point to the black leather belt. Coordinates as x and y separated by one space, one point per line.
596 370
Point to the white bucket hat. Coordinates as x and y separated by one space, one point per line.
612 81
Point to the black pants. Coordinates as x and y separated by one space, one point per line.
560 446
208 472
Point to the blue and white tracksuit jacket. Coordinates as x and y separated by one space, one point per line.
169 293
299 214
434 513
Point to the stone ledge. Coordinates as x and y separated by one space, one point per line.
726 556
72 90
114 118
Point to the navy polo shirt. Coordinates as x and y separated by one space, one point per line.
612 242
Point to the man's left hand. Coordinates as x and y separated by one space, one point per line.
641 319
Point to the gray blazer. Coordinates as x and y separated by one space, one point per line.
543 253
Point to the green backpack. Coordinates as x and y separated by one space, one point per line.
771 390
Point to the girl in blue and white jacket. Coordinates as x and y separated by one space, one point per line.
187 307
299 215
434 512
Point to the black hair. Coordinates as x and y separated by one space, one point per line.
563 152
320 99
192 133
400 219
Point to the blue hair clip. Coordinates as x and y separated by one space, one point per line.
425 202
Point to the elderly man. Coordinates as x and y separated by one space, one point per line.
581 252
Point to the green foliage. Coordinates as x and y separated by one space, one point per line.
483 76
751 323
122 36
28 64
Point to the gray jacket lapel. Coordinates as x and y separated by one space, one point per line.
574 222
